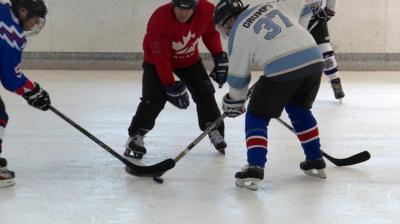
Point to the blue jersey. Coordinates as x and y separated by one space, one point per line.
12 43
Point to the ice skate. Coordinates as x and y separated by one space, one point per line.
218 141
314 168
337 89
250 177
135 146
7 177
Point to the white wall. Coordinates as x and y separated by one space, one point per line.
361 26
367 26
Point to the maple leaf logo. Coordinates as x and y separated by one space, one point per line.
187 46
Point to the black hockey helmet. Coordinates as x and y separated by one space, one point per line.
227 9
185 4
34 7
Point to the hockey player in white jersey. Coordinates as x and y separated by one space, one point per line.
318 27
271 36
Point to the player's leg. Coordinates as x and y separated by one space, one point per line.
7 177
202 91
252 173
305 125
331 70
267 101
321 36
151 103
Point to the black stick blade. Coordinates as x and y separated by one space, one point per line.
150 171
352 160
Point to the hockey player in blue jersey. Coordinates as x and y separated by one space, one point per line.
18 20
273 36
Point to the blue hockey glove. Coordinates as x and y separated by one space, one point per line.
324 15
38 98
220 71
177 95
233 108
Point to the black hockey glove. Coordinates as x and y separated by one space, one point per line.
233 108
220 71
38 98
324 15
177 95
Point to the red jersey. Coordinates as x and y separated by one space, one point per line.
169 44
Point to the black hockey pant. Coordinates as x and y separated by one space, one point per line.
153 97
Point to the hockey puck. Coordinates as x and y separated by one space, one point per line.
158 180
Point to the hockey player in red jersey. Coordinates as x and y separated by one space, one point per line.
18 20
171 47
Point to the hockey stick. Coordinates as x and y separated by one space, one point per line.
323 5
191 145
199 138
313 25
209 128
152 170
352 160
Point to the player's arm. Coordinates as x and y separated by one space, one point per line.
239 77
326 12
212 40
159 44
239 74
15 81
160 47
307 12
10 71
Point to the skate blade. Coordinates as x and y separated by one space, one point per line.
7 183
221 148
222 151
249 183
316 173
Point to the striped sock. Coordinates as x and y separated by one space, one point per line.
256 139
306 129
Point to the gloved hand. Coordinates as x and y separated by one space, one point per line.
233 108
324 15
38 98
220 71
177 95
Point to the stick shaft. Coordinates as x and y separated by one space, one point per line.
200 137
89 135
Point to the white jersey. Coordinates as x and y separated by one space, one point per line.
270 35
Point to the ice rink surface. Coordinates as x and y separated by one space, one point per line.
65 178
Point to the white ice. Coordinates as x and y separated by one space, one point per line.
65 178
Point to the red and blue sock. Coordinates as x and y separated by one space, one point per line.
256 139
306 129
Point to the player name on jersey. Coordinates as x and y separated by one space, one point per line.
255 15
